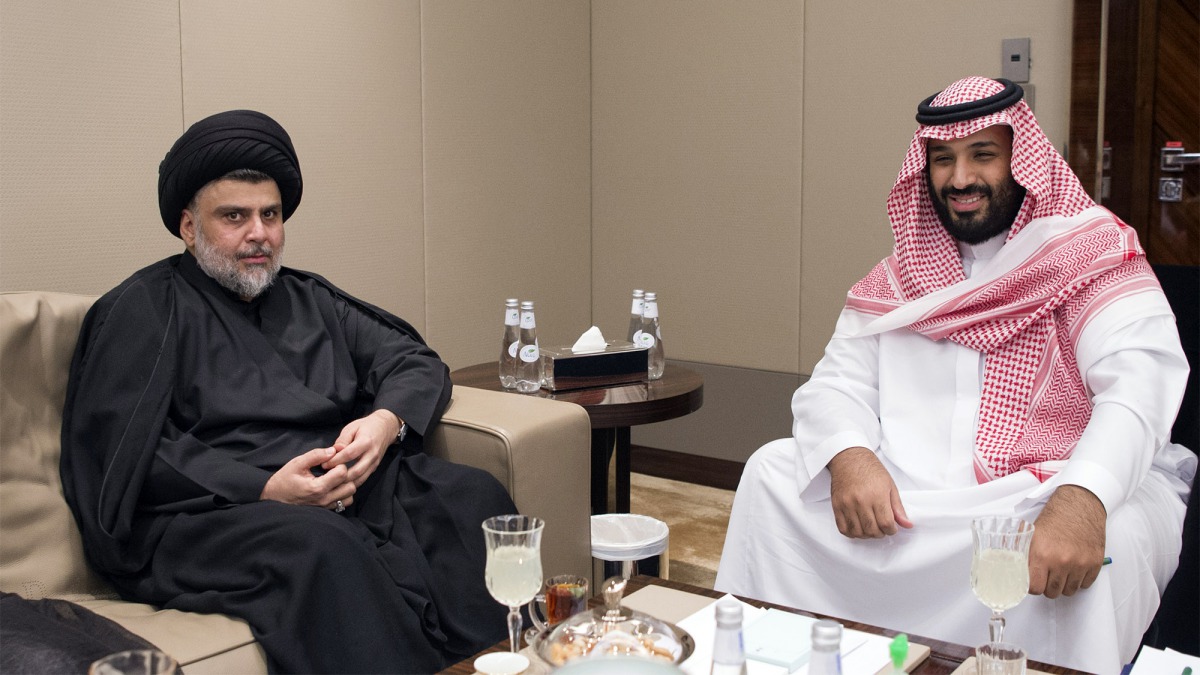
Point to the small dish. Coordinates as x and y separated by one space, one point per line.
502 663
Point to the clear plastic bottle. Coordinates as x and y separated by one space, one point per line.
651 337
509 344
529 357
826 656
635 316
729 652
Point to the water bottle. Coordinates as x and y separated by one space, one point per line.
508 344
651 337
826 655
529 357
635 316
729 653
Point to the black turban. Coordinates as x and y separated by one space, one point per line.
219 144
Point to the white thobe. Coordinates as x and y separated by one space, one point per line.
915 402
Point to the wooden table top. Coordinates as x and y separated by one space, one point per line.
678 393
944 657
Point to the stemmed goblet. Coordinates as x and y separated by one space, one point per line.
514 564
1000 566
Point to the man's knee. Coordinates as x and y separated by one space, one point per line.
770 459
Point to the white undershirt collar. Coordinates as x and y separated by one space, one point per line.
976 255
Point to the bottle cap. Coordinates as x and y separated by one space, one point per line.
511 301
827 633
527 304
899 651
637 292
729 613
651 295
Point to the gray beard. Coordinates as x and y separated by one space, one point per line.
225 271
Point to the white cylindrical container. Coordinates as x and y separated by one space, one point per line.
729 652
635 316
651 338
529 357
826 656
510 343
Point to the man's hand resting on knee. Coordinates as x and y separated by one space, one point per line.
1068 543
866 503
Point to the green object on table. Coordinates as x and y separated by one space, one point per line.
899 652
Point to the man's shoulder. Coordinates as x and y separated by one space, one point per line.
149 285
317 282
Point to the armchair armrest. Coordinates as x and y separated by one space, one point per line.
540 450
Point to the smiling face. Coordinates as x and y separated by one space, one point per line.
234 228
971 185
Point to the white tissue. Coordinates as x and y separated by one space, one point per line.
590 341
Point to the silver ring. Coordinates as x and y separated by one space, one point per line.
340 507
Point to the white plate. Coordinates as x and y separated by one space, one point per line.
502 663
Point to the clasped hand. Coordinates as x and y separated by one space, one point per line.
347 464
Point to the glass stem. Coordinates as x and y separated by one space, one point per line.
514 628
996 626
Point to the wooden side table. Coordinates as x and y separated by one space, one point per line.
613 410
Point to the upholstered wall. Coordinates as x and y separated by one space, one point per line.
732 156
445 145
742 154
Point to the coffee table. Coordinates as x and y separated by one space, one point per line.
612 410
944 657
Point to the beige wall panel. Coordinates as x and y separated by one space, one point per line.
696 174
867 64
344 79
89 102
507 170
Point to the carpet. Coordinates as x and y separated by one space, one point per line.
697 516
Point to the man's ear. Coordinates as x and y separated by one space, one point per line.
187 228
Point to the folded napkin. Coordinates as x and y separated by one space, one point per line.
590 341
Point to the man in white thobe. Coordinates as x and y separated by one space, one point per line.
1014 356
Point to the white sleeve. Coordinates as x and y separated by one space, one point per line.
838 407
1135 373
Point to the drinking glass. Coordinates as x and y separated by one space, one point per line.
563 597
997 658
135 662
1000 566
514 564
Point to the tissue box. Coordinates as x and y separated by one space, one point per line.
621 362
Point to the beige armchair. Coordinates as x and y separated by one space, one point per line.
539 449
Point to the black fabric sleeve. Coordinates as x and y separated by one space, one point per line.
117 398
396 372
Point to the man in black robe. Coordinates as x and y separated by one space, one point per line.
244 438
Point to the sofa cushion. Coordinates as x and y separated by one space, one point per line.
41 553
188 636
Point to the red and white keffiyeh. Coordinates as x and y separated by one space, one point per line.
1034 405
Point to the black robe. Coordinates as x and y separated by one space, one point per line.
183 400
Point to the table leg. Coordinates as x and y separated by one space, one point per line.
622 445
606 443
602 444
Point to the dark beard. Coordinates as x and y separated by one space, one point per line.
1003 205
